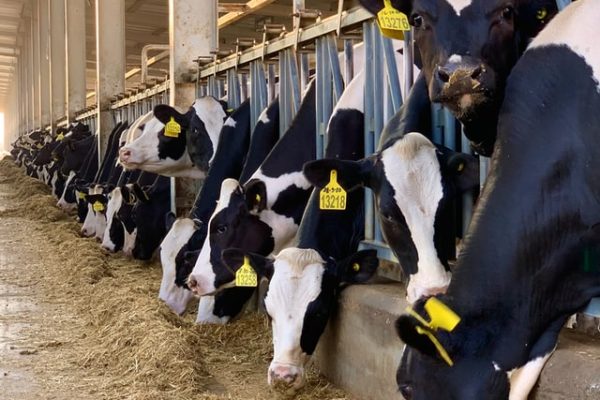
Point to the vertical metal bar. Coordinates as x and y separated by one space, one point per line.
467 198
392 74
378 109
484 167
369 139
409 60
334 62
562 3
283 94
321 77
348 61
294 81
244 86
304 71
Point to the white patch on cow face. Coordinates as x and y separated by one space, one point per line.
230 122
212 115
203 273
413 170
62 202
206 315
115 200
175 297
264 118
577 28
129 241
88 227
459 5
296 282
99 224
523 379
455 58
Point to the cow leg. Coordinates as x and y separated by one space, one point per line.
524 378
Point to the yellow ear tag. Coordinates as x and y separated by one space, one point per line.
246 276
356 267
442 317
461 166
332 196
97 206
541 13
392 23
39 145
172 129
257 198
81 195
60 137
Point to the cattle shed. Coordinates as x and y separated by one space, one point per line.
78 320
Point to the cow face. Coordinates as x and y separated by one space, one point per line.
68 199
114 234
165 152
97 202
178 235
225 231
149 213
302 294
468 48
414 183
446 369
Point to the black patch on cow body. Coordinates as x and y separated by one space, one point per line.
291 202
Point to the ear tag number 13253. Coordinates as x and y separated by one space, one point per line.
332 196
392 22
172 129
246 276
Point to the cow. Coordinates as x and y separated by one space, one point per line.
184 151
530 257
468 48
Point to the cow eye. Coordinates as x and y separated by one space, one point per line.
221 229
406 390
416 21
508 13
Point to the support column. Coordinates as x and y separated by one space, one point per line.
110 63
35 73
75 53
192 33
45 84
57 59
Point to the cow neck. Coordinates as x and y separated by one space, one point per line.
539 213
264 137
227 163
297 145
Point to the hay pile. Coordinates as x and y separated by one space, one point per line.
126 338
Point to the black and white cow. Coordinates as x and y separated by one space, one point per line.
524 268
187 234
468 48
276 196
186 153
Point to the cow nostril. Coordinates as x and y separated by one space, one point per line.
477 72
192 283
443 74
125 153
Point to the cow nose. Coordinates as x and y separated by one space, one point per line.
125 154
286 374
455 74
443 74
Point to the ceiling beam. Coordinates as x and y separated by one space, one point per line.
252 6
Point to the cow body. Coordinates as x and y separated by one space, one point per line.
525 264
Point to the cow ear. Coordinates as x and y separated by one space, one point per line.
359 267
225 106
164 113
234 259
408 328
463 169
140 193
374 6
350 174
170 219
256 195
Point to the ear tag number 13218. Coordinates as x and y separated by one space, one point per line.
332 196
392 22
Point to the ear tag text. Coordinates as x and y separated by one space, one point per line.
332 196
392 23
172 128
442 317
246 276
97 206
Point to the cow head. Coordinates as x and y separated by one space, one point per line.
414 183
440 363
164 150
303 292
468 48
231 225
179 233
114 234
149 213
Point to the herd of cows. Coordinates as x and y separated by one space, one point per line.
523 80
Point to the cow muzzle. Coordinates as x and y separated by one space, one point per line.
200 286
285 376
462 86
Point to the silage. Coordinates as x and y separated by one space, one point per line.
139 348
